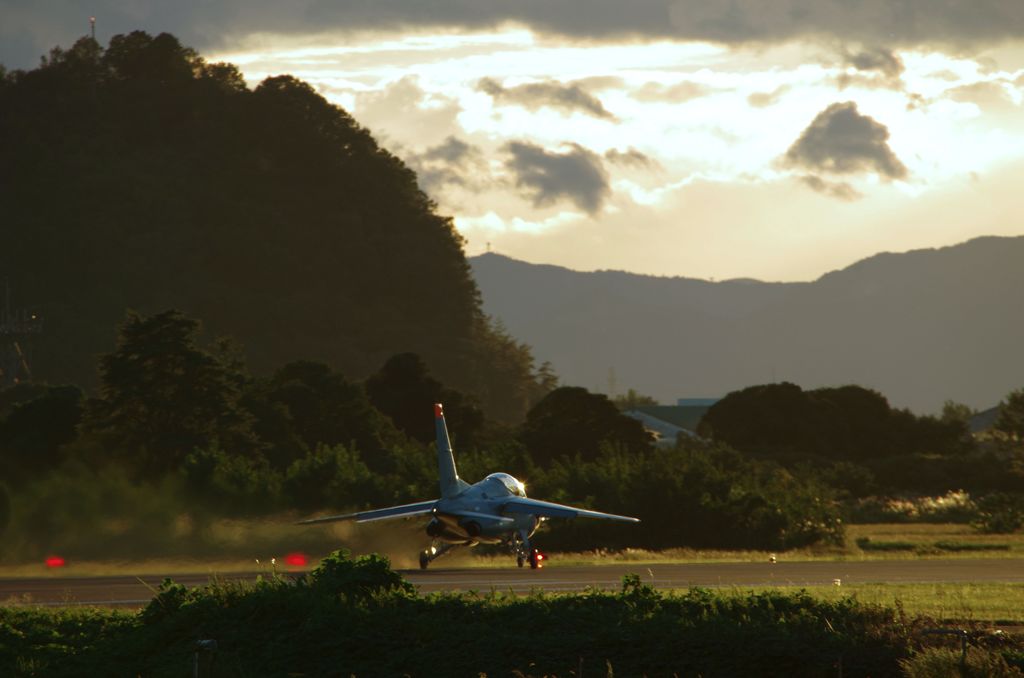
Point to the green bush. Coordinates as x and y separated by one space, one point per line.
949 663
866 544
329 476
960 546
359 617
955 506
365 578
1000 513
726 499
231 483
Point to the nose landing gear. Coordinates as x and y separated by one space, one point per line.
433 553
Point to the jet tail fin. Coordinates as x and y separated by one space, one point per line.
451 484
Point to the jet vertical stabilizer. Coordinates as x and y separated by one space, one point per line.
451 484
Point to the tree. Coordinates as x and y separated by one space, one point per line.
32 434
5 509
570 420
848 422
13 396
329 476
956 412
271 213
159 61
404 390
161 395
506 381
321 408
1010 422
768 418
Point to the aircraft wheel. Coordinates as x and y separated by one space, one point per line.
534 563
519 561
424 560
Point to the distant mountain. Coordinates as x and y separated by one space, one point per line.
921 327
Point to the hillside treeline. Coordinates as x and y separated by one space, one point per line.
137 175
179 428
179 433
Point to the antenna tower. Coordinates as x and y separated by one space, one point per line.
17 327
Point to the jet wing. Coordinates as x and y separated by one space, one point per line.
404 511
535 507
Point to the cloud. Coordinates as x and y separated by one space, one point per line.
453 152
917 101
632 159
576 174
677 93
833 189
549 93
988 95
387 112
766 99
30 28
908 22
453 162
842 141
884 61
873 67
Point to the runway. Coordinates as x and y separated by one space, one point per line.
136 591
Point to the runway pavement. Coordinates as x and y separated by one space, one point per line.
136 591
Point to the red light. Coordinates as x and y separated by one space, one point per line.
55 561
297 559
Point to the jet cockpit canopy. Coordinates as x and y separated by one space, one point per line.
514 487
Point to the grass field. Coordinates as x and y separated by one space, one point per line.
999 603
245 546
1002 602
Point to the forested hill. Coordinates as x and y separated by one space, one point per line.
921 327
139 176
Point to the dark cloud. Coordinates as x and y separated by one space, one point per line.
872 68
453 162
569 97
631 158
575 174
883 61
677 93
765 99
29 28
833 189
842 141
729 21
453 151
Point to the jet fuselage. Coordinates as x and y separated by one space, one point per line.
474 516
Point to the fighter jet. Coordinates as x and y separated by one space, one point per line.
492 511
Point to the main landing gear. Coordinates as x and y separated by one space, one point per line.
433 553
535 558
525 554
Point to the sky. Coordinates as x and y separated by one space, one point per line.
716 139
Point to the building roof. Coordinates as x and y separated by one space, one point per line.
984 420
684 417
